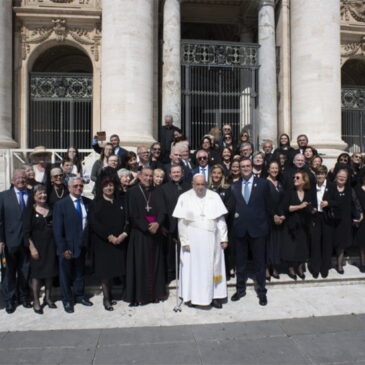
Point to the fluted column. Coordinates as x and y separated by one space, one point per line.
267 113
315 72
171 79
127 69
6 73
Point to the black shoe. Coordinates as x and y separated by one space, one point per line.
38 311
107 305
362 268
10 308
50 304
315 276
262 299
85 302
324 274
237 296
190 304
216 304
27 304
276 276
68 307
340 270
133 304
292 276
301 275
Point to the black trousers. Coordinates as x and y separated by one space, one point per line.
321 245
15 282
71 273
258 250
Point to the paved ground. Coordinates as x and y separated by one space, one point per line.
323 340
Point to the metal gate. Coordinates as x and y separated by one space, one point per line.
353 118
219 84
60 110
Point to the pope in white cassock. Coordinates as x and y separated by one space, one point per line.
203 236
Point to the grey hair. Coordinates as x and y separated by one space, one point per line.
39 187
55 170
199 175
123 172
74 178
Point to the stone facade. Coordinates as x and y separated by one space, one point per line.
134 49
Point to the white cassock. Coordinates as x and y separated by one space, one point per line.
202 226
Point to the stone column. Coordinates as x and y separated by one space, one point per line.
127 70
6 74
171 79
315 72
267 113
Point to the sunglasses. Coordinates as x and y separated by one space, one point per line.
57 176
202 158
78 186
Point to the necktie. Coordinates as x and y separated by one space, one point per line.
21 199
78 207
203 172
246 192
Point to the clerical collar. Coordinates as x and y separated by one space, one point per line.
146 188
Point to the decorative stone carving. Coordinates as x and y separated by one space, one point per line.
353 48
355 8
64 3
59 30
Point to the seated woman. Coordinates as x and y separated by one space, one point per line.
109 230
38 237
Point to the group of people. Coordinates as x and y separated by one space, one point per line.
165 213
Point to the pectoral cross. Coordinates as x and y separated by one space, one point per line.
148 208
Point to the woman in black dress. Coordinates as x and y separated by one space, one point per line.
38 237
284 148
297 207
360 233
217 183
275 237
109 231
58 189
348 212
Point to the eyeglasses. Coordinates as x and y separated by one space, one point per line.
296 177
78 186
57 176
226 129
229 137
156 149
203 158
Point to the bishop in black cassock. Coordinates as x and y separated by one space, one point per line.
146 281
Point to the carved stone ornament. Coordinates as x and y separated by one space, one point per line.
353 48
353 8
59 30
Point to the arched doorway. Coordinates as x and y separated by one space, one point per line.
353 104
60 99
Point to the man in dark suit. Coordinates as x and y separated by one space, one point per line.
203 168
13 202
118 150
302 142
250 228
186 157
175 160
171 192
71 238
166 137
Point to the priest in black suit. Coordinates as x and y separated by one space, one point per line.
171 192
146 281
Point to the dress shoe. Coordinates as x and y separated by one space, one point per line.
340 270
190 304
27 304
275 275
292 276
362 268
262 299
107 305
216 304
10 308
38 311
324 274
69 308
85 302
237 296
133 304
315 276
301 275
50 304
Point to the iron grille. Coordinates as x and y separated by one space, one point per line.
353 117
219 83
60 110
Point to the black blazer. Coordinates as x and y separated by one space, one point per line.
251 218
68 234
11 219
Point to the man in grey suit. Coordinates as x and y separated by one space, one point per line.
13 202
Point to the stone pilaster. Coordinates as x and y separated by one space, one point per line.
6 73
171 79
267 113
127 70
315 73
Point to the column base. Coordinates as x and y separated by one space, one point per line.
6 142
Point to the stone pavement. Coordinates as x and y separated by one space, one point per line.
322 340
